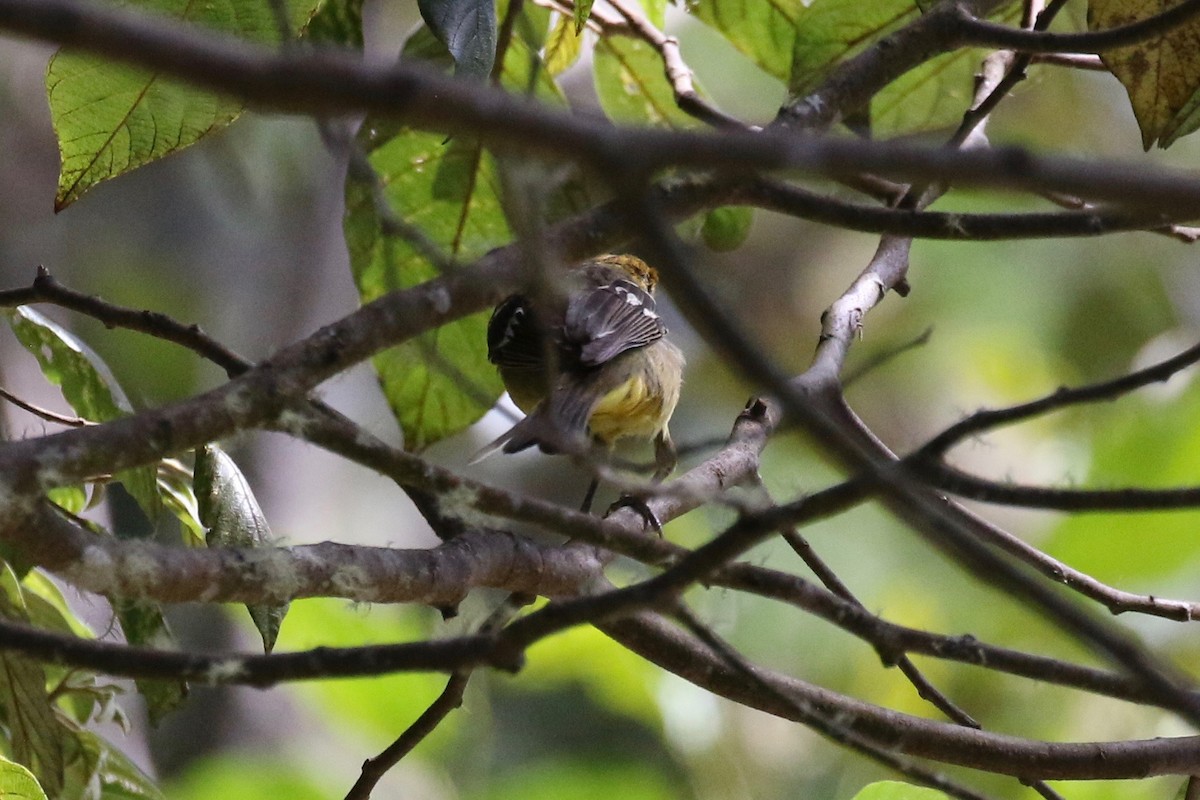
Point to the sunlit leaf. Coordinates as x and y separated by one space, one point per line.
765 32
831 31
87 385
47 608
631 84
802 43
1161 75
656 12
233 517
894 790
468 29
69 498
563 46
441 382
175 488
110 118
18 783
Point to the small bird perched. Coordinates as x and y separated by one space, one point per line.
591 363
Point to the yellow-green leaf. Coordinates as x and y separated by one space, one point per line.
563 46
18 783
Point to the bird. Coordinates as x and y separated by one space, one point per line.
588 364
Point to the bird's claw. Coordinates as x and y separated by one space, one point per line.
649 518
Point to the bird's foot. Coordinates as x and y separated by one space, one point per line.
649 518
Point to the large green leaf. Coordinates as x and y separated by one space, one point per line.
234 519
110 119
764 31
87 385
441 382
631 84
933 95
1161 75
802 44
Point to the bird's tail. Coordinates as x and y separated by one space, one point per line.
557 425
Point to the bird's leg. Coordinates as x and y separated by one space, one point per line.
590 496
665 459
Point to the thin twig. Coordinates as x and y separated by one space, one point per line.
990 34
373 769
677 72
43 413
1061 398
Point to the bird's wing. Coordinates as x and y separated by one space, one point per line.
605 321
514 337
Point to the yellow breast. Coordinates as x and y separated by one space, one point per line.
631 409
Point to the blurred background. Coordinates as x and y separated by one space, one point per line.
242 234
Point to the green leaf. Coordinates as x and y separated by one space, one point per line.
583 10
894 790
47 608
94 760
175 488
145 626
110 119
339 22
72 499
631 84
441 382
468 29
727 227
87 385
656 12
803 43
563 46
829 32
934 95
33 728
765 32
233 517
18 783
1161 75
